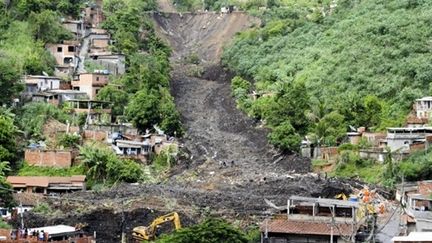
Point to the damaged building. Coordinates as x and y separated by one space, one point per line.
313 220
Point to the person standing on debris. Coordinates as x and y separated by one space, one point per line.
41 235
13 235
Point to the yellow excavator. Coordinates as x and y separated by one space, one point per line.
143 233
341 196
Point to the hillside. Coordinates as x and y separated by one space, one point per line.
362 61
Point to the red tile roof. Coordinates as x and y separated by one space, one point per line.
306 227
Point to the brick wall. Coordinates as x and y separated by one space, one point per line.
417 147
54 158
425 187
95 135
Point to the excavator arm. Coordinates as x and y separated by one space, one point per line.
149 233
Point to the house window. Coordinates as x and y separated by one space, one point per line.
59 49
71 48
76 88
97 78
97 91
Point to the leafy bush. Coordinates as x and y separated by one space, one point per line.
42 208
34 115
46 27
210 231
69 140
103 165
4 225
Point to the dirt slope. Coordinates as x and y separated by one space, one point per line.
217 132
204 33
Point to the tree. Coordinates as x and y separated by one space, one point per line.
10 84
285 137
8 147
170 116
117 96
103 165
372 111
46 27
6 194
291 103
143 109
209 231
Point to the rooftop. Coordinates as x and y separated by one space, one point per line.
56 230
410 129
306 227
326 201
89 101
43 181
426 98
66 91
414 237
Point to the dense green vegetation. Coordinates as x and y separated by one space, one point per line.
33 116
362 62
142 94
102 165
211 231
25 27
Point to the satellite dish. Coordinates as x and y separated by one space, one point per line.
353 129
45 74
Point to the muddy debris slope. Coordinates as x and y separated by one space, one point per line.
225 144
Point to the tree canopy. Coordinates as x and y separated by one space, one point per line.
364 60
210 231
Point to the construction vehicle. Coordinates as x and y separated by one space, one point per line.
341 196
143 233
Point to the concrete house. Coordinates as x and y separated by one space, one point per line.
114 63
76 27
404 138
100 41
313 220
417 198
93 14
47 184
91 83
59 96
423 107
66 56
97 111
39 83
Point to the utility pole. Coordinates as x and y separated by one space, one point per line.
332 209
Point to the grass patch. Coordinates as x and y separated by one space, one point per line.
4 225
29 170
369 172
